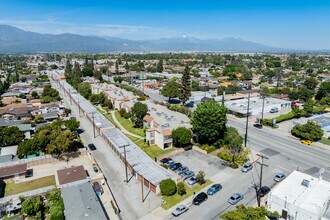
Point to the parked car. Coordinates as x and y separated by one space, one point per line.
165 160
274 110
257 125
179 210
181 170
95 168
264 190
279 177
235 198
170 162
175 166
246 167
187 174
192 180
201 197
91 147
214 188
308 142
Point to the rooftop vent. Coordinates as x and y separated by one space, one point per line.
305 183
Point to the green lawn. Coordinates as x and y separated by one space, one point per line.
171 201
129 126
325 141
12 188
152 151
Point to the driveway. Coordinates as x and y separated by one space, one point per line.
197 161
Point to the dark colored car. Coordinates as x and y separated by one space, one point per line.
264 190
201 197
91 147
175 166
214 188
258 125
164 160
95 169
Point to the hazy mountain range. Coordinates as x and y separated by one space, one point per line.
15 40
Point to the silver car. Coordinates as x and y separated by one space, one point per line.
235 198
181 170
246 167
279 177
187 174
179 210
192 180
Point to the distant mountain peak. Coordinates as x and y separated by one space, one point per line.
15 40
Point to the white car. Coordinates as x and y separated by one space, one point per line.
179 210
246 167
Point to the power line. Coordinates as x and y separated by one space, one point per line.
261 162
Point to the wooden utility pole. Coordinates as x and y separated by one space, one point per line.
262 157
263 107
70 96
247 121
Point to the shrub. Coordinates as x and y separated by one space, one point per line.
208 148
122 112
181 189
180 108
201 177
167 187
142 98
164 165
127 115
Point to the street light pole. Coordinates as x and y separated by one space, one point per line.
70 96
93 124
263 107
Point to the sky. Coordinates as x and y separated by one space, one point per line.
292 24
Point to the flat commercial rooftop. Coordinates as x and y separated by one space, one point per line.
311 198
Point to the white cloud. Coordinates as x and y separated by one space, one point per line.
111 30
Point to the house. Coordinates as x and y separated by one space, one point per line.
13 173
50 116
19 112
10 100
81 202
72 175
15 94
300 197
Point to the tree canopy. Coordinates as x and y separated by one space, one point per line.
185 89
181 136
309 131
10 136
247 213
323 91
72 124
209 121
139 110
171 90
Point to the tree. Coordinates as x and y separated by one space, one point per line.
304 93
185 89
248 213
84 89
234 142
32 206
209 121
181 189
311 83
76 74
10 136
139 110
35 95
159 67
309 131
62 143
181 136
108 103
308 107
195 86
201 177
72 124
324 90
171 90
67 111
167 187
87 71
117 68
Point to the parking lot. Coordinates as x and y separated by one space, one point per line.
197 161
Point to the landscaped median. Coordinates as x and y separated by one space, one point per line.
16 188
170 201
